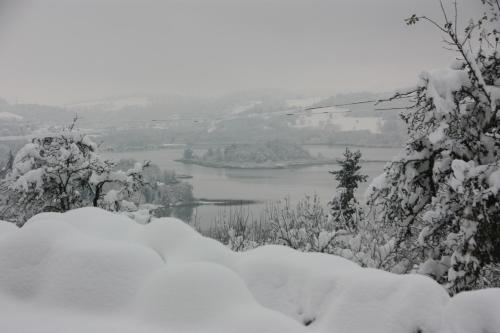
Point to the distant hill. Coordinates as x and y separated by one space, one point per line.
36 113
149 121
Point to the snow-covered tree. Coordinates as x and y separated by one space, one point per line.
63 171
344 208
440 198
4 169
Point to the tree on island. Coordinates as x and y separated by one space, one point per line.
188 153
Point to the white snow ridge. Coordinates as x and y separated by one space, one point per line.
89 270
8 116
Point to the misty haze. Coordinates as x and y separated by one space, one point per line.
250 166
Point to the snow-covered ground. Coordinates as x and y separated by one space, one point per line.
93 271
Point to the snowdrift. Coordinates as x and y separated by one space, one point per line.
89 270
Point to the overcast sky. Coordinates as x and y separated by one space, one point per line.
62 51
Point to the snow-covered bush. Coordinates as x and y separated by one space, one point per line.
62 171
236 228
440 199
304 227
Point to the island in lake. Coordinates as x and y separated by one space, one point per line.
274 154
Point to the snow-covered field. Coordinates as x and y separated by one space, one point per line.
93 271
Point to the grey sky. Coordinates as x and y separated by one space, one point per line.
67 50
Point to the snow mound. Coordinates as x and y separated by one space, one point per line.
91 270
6 227
474 312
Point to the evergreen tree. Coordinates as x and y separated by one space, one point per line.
344 208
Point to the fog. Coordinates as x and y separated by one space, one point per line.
250 166
58 52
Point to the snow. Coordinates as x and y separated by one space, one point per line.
474 312
461 170
142 216
6 227
89 270
442 83
376 184
494 181
31 178
8 116
111 196
439 134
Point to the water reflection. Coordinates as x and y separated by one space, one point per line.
256 184
184 212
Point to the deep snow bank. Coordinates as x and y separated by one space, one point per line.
93 271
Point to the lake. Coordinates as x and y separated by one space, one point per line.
263 185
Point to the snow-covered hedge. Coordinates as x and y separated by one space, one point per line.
89 270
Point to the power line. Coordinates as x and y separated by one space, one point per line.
339 105
290 112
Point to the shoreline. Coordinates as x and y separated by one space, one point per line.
263 166
212 202
201 145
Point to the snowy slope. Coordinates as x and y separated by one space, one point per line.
110 104
8 116
92 271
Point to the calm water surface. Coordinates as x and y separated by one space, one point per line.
263 185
